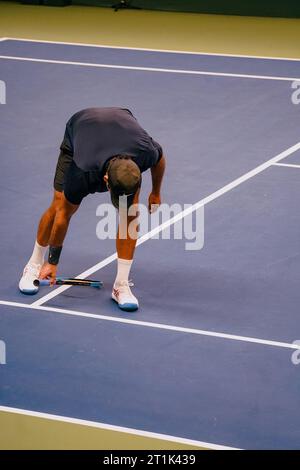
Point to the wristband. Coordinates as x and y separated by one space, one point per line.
54 254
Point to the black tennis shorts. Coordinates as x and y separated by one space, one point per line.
63 163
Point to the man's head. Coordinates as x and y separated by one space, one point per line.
123 178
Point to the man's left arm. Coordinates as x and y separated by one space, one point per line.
157 173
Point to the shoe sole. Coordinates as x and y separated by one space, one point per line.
28 292
127 307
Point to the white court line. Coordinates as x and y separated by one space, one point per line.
3 39
291 165
178 217
168 51
110 427
159 326
150 69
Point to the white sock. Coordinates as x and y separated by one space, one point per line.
124 266
38 254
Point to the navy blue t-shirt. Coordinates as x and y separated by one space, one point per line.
93 136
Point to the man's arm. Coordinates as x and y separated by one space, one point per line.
59 230
157 173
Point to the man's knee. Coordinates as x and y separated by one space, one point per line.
56 201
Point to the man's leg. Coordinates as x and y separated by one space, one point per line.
36 261
44 230
47 219
126 242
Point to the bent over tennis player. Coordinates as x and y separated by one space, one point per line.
104 149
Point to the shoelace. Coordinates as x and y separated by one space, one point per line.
124 286
32 269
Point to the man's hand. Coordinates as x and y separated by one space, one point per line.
48 271
154 202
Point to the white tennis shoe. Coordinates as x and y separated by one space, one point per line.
122 294
31 273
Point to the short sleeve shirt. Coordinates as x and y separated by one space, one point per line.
93 136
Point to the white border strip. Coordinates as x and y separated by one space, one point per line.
110 427
178 217
290 165
168 51
3 39
159 326
150 69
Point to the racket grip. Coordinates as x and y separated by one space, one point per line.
41 282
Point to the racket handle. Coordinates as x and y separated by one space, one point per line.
41 282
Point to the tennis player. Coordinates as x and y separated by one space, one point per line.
104 149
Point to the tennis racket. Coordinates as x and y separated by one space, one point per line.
67 281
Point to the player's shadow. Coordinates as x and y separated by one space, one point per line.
80 292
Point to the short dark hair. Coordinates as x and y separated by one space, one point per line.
124 178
